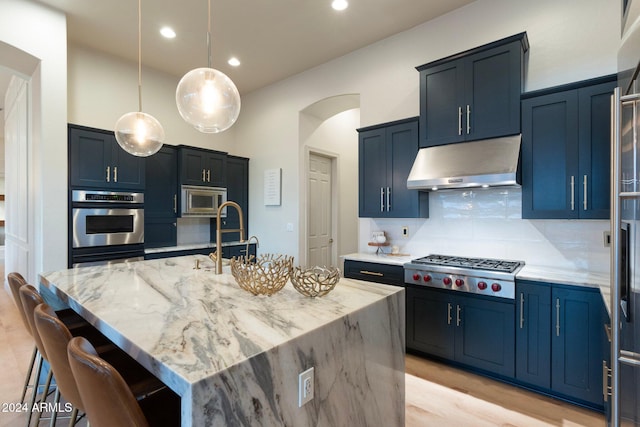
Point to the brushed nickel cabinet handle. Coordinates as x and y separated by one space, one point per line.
459 120
115 174
458 310
584 190
203 175
175 203
468 119
557 317
208 175
371 273
573 192
388 198
381 199
521 310
108 173
448 313
605 381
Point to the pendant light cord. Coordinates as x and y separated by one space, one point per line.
209 35
140 55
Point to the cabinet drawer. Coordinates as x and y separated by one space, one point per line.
374 272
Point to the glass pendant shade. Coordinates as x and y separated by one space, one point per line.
139 134
208 100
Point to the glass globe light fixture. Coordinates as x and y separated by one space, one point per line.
139 134
208 100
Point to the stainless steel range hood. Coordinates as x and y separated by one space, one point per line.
485 163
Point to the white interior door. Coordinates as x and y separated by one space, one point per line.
319 240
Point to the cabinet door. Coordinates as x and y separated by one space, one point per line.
595 151
533 333
577 344
402 147
216 169
493 84
484 335
430 322
90 155
161 198
128 171
549 156
372 151
441 103
237 191
192 167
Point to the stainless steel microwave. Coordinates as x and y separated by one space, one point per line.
201 201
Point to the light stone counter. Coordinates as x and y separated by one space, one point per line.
234 358
381 259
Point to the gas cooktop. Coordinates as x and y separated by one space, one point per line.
488 264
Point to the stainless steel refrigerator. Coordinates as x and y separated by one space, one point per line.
625 227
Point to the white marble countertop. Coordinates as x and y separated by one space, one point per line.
380 258
186 325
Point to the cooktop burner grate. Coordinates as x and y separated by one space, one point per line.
486 264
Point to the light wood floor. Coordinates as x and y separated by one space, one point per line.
436 395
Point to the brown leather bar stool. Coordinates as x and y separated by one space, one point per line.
30 299
16 281
107 398
55 337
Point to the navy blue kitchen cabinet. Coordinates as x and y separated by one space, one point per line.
578 343
238 191
161 198
374 272
97 161
472 330
228 251
474 94
202 167
386 153
533 334
565 151
560 340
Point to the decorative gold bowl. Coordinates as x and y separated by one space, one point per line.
315 281
264 275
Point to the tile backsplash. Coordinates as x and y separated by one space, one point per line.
488 223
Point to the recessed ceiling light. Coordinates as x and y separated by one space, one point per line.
167 32
339 4
233 61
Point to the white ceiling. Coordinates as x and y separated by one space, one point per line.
273 39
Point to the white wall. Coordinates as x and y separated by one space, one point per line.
33 44
570 40
102 88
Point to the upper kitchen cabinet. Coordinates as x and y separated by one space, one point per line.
386 153
237 191
161 198
97 161
202 167
474 94
566 137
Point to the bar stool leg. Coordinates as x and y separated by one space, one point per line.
74 414
54 414
44 397
34 391
29 373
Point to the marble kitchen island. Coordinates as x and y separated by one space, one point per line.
234 358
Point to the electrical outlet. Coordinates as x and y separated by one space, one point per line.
405 231
305 387
607 239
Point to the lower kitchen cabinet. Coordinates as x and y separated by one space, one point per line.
472 330
561 341
374 272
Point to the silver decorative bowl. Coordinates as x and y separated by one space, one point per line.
264 275
315 281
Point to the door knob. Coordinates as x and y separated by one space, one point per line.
330 240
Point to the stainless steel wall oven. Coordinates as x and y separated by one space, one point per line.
106 227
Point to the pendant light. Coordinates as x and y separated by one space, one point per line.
207 98
139 133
